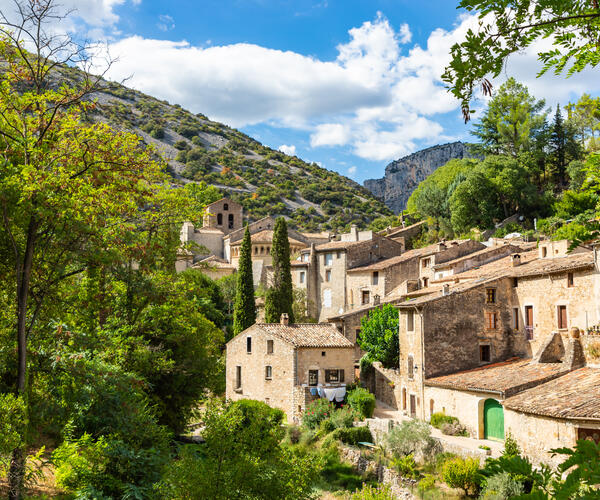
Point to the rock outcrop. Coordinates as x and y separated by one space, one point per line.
404 175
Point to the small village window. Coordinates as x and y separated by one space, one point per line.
375 278
410 367
516 318
323 354
404 399
334 376
313 377
248 345
426 263
328 275
338 254
544 252
238 377
515 282
485 353
490 295
219 219
365 297
492 320
269 347
230 220
328 259
569 279
268 372
410 321
562 317
225 206
302 276
425 282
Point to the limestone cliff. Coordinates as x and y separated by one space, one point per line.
404 175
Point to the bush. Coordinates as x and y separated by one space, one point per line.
352 436
500 487
412 437
316 412
439 419
511 447
362 401
326 426
406 466
425 484
293 434
369 492
454 429
462 473
343 418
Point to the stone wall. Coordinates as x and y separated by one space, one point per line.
334 359
384 383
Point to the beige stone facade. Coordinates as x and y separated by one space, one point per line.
283 365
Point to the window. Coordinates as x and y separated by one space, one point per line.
485 353
490 295
410 321
238 377
230 219
338 255
375 280
562 317
529 322
431 405
492 320
268 372
323 354
569 279
425 263
544 252
410 367
219 219
425 282
328 275
269 347
302 276
328 259
225 206
334 376
516 318
365 297
248 345
313 377
327 298
404 399
515 282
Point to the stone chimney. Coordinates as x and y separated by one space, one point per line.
376 300
446 289
285 319
515 259
441 246
354 233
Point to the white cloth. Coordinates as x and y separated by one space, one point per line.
340 392
329 393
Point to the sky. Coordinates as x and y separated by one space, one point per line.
349 84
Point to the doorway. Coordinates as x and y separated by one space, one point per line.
493 420
413 405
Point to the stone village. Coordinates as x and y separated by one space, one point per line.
502 335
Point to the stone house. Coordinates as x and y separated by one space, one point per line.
321 270
287 365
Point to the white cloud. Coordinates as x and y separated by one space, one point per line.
352 170
380 97
288 150
165 22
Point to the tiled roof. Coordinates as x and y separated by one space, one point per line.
213 261
554 264
341 245
266 236
574 395
490 250
396 230
392 261
505 378
307 334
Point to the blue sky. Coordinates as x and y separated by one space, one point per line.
349 84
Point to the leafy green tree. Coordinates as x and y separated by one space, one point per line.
584 116
572 204
511 121
379 335
244 309
508 27
280 297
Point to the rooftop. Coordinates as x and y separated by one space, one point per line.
307 334
490 250
341 245
574 395
266 236
505 378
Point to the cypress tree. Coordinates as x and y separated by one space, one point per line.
279 298
244 313
557 144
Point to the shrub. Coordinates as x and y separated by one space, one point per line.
511 447
406 466
353 436
316 412
369 492
362 401
425 484
501 486
326 426
343 417
293 434
439 419
454 429
462 473
412 437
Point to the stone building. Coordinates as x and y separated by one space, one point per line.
287 365
321 270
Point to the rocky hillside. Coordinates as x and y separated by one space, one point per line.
404 175
264 181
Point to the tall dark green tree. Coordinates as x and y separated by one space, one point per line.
244 309
280 298
558 144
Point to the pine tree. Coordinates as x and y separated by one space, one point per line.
244 313
280 297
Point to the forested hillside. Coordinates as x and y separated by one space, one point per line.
264 181
539 162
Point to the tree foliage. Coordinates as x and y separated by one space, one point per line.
280 296
379 335
244 309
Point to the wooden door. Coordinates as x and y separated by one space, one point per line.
493 420
529 321
413 405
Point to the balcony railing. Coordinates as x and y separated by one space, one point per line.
529 332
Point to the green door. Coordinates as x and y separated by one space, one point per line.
493 420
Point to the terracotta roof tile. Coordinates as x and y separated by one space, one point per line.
506 378
490 250
574 395
308 334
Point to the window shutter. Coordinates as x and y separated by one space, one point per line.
341 375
